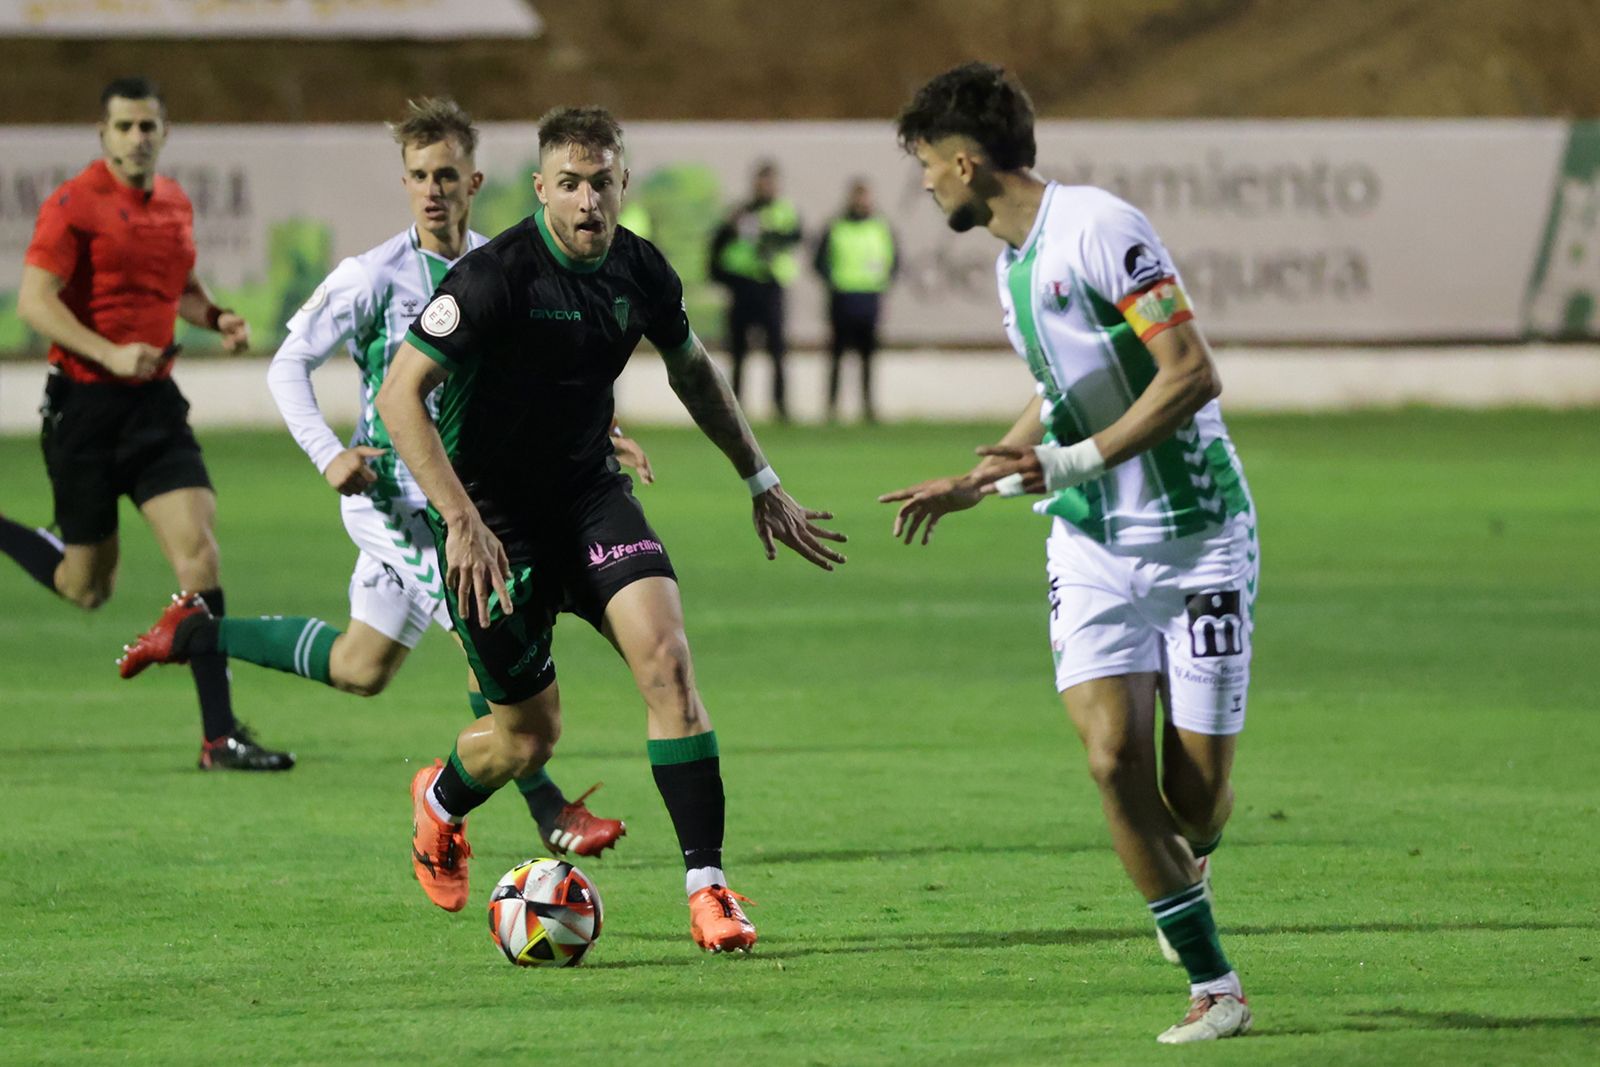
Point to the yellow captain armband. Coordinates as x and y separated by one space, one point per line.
1156 307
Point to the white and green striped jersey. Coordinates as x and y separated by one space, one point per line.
1090 285
363 308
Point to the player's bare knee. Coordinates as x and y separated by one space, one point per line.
83 587
362 679
1114 762
667 677
353 669
89 596
530 751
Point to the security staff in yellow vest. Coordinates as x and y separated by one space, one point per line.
858 261
753 255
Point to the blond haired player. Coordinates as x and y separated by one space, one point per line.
362 310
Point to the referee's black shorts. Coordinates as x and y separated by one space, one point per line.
567 555
105 440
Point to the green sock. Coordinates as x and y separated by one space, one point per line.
544 797
1204 850
294 645
683 749
1185 917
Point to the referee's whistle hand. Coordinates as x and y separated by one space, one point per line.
133 360
235 332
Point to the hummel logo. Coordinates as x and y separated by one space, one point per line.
410 306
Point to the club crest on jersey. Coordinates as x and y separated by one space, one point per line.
619 308
1058 295
441 317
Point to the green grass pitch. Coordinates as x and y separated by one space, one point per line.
1410 877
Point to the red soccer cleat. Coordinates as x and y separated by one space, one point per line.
156 645
579 829
718 923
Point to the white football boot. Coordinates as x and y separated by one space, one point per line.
1204 863
1212 1016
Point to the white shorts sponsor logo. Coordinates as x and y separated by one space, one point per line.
441 317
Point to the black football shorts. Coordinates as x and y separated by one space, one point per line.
567 554
106 440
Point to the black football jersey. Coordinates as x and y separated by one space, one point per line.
534 341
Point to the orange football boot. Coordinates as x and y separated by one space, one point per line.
439 849
717 921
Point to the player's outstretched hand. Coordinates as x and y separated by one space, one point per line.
475 566
780 519
1004 461
924 504
348 471
235 332
630 454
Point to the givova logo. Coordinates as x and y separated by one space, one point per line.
555 314
1563 297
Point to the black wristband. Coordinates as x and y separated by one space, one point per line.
214 315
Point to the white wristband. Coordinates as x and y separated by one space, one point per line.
761 481
1070 465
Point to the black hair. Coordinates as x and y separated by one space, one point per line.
591 128
977 101
133 87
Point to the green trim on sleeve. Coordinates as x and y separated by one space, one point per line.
414 339
682 348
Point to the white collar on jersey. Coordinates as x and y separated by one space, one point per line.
474 240
1038 223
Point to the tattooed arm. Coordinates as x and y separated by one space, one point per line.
711 403
709 399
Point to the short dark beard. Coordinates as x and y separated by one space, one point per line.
570 239
974 212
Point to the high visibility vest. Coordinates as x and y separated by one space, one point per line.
755 259
860 255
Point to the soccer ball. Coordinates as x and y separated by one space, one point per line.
544 912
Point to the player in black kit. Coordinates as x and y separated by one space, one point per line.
532 517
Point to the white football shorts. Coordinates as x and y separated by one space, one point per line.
1182 607
396 588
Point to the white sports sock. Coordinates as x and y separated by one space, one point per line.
438 808
703 877
1228 983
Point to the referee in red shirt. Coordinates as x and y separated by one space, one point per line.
110 267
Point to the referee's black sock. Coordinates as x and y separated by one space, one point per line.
211 681
35 550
